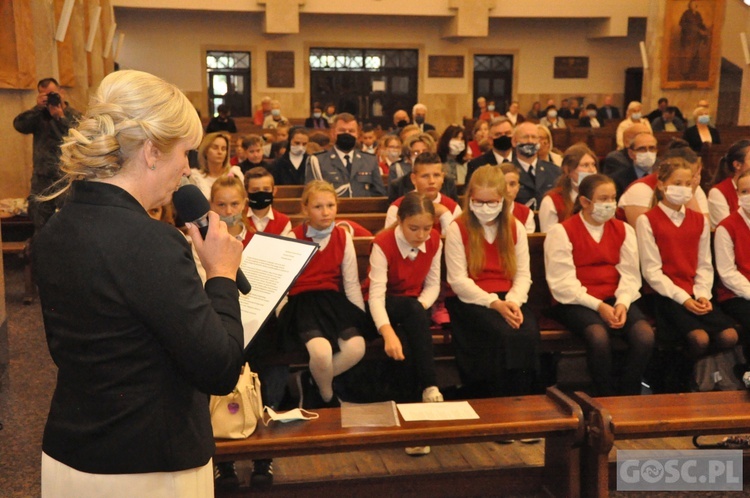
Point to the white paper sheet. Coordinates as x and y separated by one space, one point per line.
449 410
271 264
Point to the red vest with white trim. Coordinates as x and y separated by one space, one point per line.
596 261
740 234
406 277
324 270
678 246
444 200
492 278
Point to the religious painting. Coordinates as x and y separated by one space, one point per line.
692 43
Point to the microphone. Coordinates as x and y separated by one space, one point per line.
193 207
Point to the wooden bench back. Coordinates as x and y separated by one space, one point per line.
345 205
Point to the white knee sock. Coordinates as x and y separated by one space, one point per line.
350 352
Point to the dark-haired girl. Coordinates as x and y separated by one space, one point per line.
722 198
591 262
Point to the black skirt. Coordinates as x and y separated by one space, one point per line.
327 314
576 318
674 321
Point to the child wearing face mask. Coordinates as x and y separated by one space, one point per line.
487 260
318 314
404 282
722 198
289 169
229 200
732 252
675 254
262 217
512 186
557 205
591 262
454 153
638 197
389 152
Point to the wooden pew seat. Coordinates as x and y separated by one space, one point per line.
551 416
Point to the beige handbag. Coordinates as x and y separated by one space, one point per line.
236 415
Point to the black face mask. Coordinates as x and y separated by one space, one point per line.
260 200
502 143
419 120
402 123
345 142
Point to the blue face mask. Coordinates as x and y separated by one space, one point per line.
704 119
314 233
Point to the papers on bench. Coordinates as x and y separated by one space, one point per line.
271 264
448 410
369 414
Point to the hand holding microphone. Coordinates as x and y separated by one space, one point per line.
220 252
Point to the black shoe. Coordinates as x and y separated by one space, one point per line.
262 476
225 476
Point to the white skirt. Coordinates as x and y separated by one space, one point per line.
61 481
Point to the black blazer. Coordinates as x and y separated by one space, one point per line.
601 113
486 158
545 177
321 122
284 172
138 342
623 178
692 137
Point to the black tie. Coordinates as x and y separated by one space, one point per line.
505 160
348 164
531 171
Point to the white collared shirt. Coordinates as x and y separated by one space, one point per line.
526 165
379 277
718 207
651 262
548 212
500 159
262 223
391 216
561 274
342 155
458 271
726 263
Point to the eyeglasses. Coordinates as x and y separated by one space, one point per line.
490 204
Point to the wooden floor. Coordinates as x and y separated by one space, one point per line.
334 475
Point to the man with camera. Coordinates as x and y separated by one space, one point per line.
49 122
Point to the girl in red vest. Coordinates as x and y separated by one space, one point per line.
557 205
732 253
512 186
229 200
487 258
722 198
404 282
674 247
329 322
262 217
591 262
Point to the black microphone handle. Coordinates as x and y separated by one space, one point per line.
242 284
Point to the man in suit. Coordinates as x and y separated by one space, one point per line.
501 134
620 159
418 113
536 176
642 154
607 111
352 173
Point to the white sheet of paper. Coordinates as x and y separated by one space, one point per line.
449 410
271 265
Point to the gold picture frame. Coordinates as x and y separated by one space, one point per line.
692 43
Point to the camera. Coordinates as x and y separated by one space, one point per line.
53 98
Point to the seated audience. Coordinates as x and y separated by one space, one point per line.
330 113
252 145
368 138
588 118
551 119
535 113
275 119
513 115
537 176
453 153
512 186
642 154
557 205
722 198
289 169
632 116
478 134
413 146
501 136
701 132
239 152
607 111
663 105
213 157
547 151
419 114
389 152
668 121
620 159
490 113
263 111
317 121
222 121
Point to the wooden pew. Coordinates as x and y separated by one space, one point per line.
345 205
374 222
288 192
552 416
659 415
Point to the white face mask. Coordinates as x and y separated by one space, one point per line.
456 146
645 160
581 176
291 415
678 195
297 150
490 107
603 211
744 201
393 155
635 116
484 213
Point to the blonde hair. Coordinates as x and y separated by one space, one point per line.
228 181
572 158
203 150
490 177
129 108
314 187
